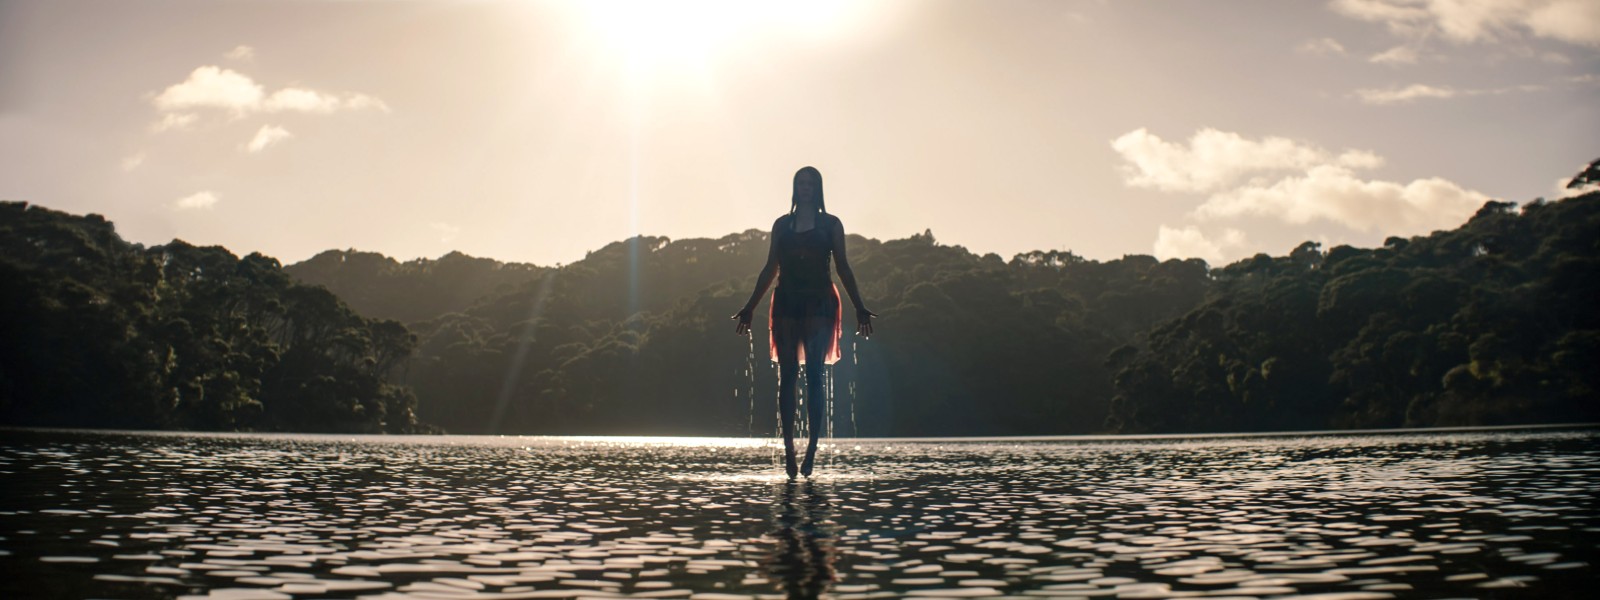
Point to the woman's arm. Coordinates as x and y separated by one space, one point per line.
762 282
848 277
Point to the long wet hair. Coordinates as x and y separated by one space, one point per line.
794 195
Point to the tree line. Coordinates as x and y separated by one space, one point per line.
1484 324
1489 323
99 332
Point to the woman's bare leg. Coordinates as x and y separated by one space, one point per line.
788 373
817 344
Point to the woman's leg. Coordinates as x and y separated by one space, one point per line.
786 332
818 330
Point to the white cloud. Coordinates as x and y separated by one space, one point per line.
267 136
241 52
312 101
1285 180
363 102
1419 91
303 100
1400 15
174 121
211 87
1215 159
1560 190
1572 21
1575 21
132 162
1334 193
1189 242
1408 93
447 232
1321 47
199 200
1398 55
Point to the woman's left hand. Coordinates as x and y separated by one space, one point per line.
743 317
864 322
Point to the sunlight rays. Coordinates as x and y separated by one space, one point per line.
508 387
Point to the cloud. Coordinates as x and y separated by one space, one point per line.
447 232
1189 242
132 162
1286 180
1398 55
1465 21
199 200
211 87
1574 21
1409 93
215 88
241 52
1215 159
1419 91
312 101
1321 47
1334 193
267 136
1561 191
174 121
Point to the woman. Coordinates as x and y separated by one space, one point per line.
804 315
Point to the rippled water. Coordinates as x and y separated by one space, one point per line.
1432 515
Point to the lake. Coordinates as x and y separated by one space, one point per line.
1454 514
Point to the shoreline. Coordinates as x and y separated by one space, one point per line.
759 441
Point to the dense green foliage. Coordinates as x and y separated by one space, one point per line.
636 339
1491 323
102 333
383 288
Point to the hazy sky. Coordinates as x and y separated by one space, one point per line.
537 131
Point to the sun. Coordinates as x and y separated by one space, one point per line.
656 34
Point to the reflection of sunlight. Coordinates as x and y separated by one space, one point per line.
776 476
1458 514
642 440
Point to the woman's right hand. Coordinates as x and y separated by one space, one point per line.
743 317
864 322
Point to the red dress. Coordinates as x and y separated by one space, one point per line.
805 289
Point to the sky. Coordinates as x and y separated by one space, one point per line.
536 131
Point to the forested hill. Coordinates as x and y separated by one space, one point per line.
1493 322
635 338
381 287
1489 323
99 332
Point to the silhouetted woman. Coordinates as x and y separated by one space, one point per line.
805 313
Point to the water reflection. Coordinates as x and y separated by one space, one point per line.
1503 514
803 535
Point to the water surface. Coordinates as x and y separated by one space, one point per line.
1502 514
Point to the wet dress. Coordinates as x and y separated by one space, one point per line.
805 290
